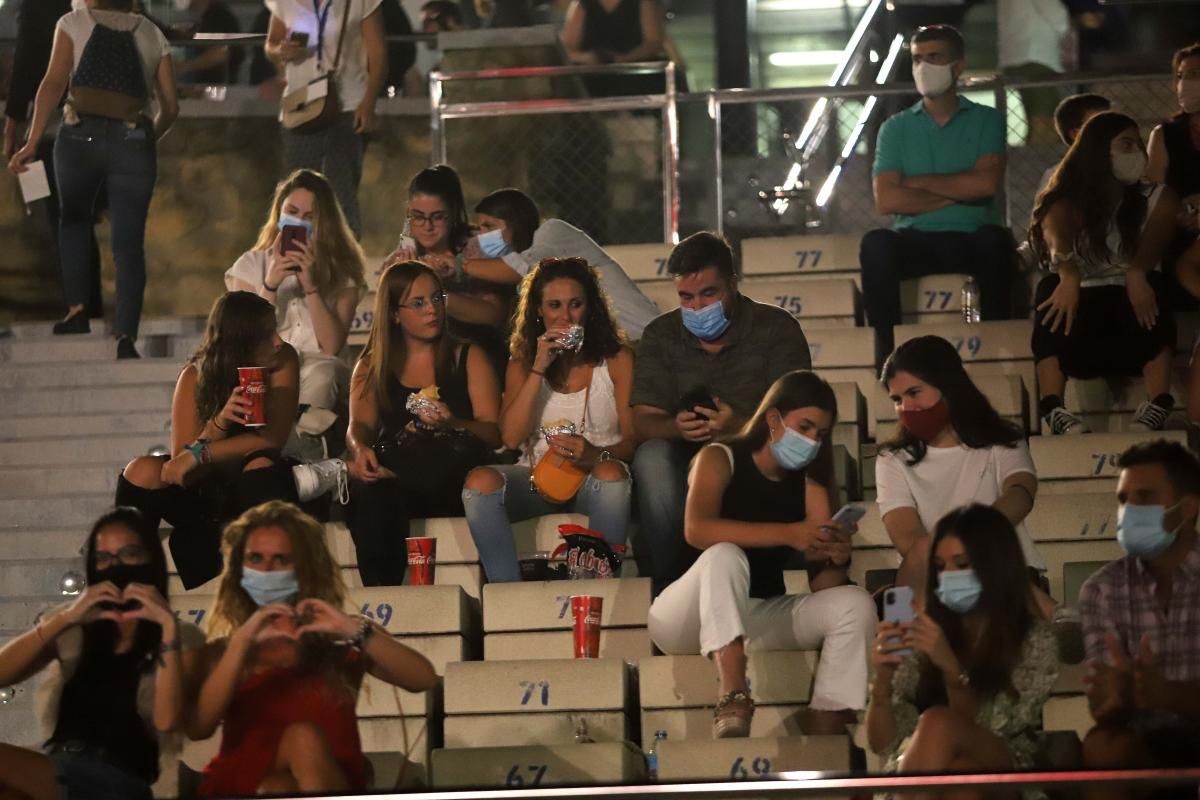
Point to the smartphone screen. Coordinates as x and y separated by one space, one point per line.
299 37
898 607
291 236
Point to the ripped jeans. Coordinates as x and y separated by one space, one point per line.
606 504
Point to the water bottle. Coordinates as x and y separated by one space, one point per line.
581 732
652 755
970 300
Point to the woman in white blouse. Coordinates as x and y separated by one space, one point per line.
547 384
307 264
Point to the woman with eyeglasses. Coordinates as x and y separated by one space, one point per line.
423 410
436 232
112 700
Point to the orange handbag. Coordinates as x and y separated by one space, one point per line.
554 477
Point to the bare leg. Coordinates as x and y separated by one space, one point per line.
1050 377
731 666
26 775
305 755
825 722
1110 747
1157 375
946 740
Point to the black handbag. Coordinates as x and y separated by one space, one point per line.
426 461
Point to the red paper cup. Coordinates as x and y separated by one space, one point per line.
586 611
422 554
254 388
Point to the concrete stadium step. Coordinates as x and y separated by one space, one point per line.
494 730
750 759
55 425
600 763
800 255
36 576
18 723
629 644
546 605
129 399
160 326
51 481
684 724
23 542
88 374
60 512
70 451
18 613
1087 456
51 351
775 677
536 686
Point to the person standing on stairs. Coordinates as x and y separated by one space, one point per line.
115 67
753 500
219 466
114 662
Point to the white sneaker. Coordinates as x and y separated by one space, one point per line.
1149 417
1061 421
314 480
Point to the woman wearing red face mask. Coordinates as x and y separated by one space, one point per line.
951 449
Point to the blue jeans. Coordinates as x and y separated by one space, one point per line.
94 154
660 472
606 504
85 776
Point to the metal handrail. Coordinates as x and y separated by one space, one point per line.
633 68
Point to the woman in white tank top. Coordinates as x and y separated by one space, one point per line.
548 385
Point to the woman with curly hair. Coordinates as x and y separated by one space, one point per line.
547 384
284 663
218 466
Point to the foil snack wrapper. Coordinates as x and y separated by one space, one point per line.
562 429
572 338
417 403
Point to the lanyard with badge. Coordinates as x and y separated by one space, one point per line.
316 104
322 18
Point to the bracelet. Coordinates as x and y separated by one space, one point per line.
539 374
199 451
311 291
604 456
269 288
217 425
365 629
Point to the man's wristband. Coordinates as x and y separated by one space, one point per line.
269 288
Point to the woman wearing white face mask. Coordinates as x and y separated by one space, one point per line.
962 687
1102 232
307 264
284 664
751 503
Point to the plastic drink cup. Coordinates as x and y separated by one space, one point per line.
586 610
254 388
422 557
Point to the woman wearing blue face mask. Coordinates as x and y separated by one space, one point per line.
962 687
752 502
284 664
307 265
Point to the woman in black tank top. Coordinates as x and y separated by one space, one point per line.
751 502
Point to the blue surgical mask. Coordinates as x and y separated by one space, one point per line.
265 588
708 323
1140 530
959 589
492 244
288 219
794 451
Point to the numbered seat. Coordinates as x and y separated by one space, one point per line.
843 355
1108 406
1058 555
755 758
360 324
818 254
527 767
641 262
533 619
932 299
1086 462
1076 517
536 702
831 303
678 694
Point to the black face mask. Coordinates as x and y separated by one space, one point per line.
121 575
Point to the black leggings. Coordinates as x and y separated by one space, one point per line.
379 516
198 513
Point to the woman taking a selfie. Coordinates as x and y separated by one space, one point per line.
112 699
285 662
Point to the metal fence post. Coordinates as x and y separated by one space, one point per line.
670 159
714 113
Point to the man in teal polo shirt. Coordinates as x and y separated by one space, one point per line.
939 169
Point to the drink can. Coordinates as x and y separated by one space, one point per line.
586 611
422 556
254 388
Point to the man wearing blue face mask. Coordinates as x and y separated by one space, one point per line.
1140 620
939 169
701 371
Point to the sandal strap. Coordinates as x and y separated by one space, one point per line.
739 696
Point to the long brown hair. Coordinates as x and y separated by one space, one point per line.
791 390
441 181
386 336
1084 181
239 324
337 258
602 338
317 574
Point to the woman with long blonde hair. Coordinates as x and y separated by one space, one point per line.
284 663
408 456
307 264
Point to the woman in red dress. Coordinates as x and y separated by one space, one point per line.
284 663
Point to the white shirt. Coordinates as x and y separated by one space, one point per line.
557 239
602 427
301 15
1030 32
152 45
951 477
294 321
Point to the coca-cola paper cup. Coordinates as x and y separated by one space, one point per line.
422 555
586 611
254 388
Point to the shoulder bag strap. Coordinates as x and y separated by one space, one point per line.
337 56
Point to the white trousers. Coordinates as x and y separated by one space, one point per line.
323 380
710 606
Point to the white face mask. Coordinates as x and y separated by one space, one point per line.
1129 168
933 79
1189 95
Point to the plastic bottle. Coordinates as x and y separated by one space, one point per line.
970 300
652 755
581 732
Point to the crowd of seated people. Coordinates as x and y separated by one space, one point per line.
498 348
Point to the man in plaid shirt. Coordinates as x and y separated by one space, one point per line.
1141 619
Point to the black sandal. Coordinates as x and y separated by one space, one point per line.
74 323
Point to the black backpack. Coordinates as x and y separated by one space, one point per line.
109 81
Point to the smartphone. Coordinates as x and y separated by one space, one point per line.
898 607
697 398
291 236
850 514
298 37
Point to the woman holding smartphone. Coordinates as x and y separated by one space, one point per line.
751 503
307 265
962 687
